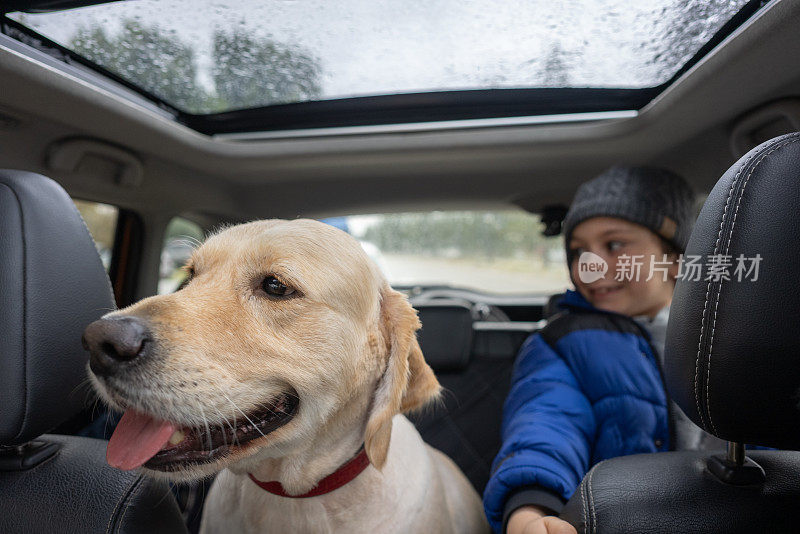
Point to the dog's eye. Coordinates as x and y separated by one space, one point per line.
273 286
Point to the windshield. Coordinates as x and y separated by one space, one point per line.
214 56
489 251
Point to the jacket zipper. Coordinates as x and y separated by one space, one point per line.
670 424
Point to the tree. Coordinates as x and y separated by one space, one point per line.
551 70
682 28
249 71
555 72
152 59
475 234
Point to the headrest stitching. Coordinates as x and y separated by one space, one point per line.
591 499
89 233
585 507
719 288
136 483
707 299
24 310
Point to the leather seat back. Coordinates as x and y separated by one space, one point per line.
76 491
673 492
52 284
733 345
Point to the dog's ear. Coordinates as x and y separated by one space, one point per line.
407 383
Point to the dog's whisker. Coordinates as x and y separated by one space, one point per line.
244 414
91 400
94 408
191 239
222 428
105 424
88 396
235 424
167 493
208 430
267 408
187 239
80 385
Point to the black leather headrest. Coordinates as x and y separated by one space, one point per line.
733 347
52 284
446 334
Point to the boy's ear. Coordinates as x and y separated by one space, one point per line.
407 382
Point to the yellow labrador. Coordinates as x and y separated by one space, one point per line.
285 362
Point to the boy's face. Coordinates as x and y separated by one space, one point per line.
610 238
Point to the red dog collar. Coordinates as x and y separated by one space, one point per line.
335 480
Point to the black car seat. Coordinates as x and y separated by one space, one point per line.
551 309
733 365
473 360
52 284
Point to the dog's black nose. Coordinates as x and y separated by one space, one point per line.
113 342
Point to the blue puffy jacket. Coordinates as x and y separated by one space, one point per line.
585 388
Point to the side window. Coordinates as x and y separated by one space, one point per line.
180 239
102 222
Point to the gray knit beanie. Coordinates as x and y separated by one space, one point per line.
655 198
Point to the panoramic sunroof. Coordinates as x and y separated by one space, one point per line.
215 56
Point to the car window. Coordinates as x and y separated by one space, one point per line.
490 251
180 239
101 219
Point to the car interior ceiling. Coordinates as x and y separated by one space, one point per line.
101 147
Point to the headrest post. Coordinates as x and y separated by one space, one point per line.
735 468
26 456
736 453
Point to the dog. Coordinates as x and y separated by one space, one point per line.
284 363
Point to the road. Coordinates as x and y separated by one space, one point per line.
503 276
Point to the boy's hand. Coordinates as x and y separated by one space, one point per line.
533 520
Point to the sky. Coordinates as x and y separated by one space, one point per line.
391 46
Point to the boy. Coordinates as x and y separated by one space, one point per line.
589 386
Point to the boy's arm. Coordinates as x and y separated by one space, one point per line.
548 428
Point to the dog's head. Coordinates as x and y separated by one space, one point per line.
284 332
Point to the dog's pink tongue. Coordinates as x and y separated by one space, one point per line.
137 438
